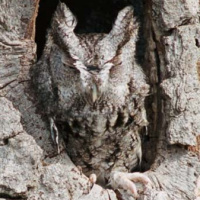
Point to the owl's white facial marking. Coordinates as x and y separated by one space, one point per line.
105 74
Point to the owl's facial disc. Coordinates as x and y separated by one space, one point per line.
94 80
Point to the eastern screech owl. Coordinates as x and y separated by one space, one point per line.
92 84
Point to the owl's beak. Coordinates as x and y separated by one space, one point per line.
94 93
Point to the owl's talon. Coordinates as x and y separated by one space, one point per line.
54 133
121 180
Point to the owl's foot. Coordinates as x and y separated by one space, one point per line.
54 133
125 181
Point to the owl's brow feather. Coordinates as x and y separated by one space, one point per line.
115 60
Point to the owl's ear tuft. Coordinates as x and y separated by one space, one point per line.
63 22
125 25
63 17
63 25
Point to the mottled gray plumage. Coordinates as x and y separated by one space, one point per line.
92 84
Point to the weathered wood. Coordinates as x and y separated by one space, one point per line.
174 49
29 166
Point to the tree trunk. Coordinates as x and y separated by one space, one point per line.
29 166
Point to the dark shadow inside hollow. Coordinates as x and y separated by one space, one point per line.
45 13
94 16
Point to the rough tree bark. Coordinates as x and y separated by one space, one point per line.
29 167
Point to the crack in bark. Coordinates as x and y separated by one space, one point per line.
7 84
5 141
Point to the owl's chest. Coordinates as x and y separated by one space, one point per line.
99 120
84 117
96 140
100 133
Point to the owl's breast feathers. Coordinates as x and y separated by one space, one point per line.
105 135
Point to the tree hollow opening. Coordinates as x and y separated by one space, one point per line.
93 16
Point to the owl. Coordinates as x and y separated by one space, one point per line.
92 87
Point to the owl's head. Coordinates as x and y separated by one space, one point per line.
101 60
